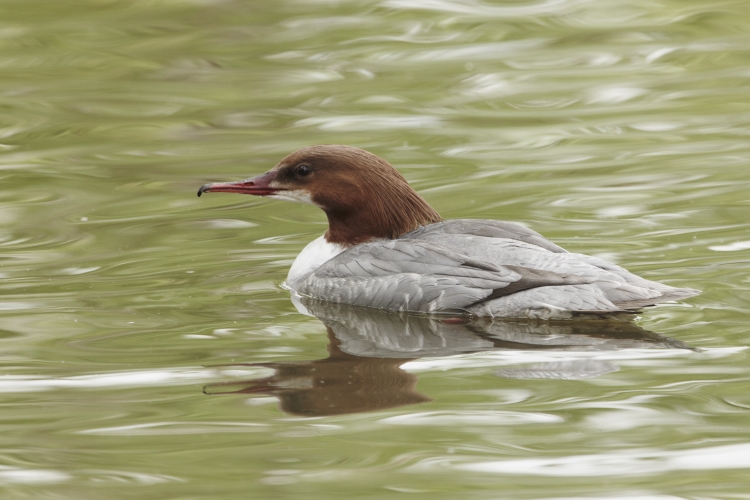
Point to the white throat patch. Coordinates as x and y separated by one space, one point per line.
314 255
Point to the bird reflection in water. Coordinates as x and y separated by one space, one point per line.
341 383
367 348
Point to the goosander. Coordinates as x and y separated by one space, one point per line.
387 248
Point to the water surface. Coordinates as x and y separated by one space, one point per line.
148 350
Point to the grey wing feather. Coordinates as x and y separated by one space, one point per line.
615 288
487 268
485 228
414 275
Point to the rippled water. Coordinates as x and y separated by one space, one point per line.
148 350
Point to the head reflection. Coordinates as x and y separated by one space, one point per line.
367 348
341 383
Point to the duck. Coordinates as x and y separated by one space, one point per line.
387 248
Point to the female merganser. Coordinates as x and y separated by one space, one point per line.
387 248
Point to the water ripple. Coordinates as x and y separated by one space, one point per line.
471 418
164 377
631 462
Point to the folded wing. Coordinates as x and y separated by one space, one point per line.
415 275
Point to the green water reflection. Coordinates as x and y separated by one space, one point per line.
614 128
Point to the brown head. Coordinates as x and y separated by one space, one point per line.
363 196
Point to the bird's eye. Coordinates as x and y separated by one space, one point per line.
302 170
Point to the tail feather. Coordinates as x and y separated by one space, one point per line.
665 296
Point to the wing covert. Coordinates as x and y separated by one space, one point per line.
415 275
